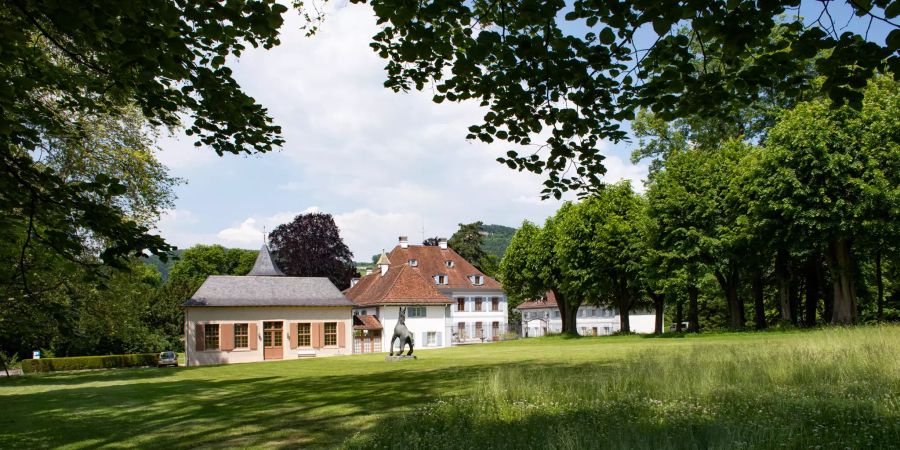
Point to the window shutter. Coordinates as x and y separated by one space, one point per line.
200 338
226 336
316 332
341 331
439 341
424 341
294 335
252 338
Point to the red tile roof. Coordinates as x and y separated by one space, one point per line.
432 261
400 285
549 301
364 322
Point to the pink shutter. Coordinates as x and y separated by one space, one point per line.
294 337
200 338
316 332
341 339
226 336
252 339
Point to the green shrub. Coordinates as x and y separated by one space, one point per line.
88 362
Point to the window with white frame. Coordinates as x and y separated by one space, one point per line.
556 314
441 279
449 264
413 263
415 311
211 336
431 339
477 280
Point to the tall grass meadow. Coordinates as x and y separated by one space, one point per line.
840 388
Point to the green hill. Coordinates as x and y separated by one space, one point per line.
163 267
496 239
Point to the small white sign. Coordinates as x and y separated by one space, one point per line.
36 354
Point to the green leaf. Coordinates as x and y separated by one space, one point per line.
607 36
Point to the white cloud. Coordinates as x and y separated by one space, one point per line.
245 233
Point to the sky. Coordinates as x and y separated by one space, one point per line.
384 164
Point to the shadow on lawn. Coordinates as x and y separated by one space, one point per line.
277 411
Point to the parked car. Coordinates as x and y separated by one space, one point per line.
167 359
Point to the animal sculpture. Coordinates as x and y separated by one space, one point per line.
402 333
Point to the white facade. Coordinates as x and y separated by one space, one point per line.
440 327
470 323
429 331
590 321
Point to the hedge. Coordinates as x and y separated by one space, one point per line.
89 362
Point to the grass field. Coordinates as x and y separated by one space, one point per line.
833 388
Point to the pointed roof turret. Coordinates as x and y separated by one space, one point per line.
265 265
383 259
383 263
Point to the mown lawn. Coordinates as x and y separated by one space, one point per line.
833 388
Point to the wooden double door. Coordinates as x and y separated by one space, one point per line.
273 340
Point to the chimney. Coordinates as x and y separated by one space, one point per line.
442 243
369 271
404 242
353 281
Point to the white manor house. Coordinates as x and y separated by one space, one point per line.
542 317
448 300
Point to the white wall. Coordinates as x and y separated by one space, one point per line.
435 320
470 317
221 315
606 321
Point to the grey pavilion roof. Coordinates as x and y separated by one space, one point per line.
250 290
264 265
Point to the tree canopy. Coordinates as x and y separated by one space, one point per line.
311 246
575 71
69 67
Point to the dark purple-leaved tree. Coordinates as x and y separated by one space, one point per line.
311 246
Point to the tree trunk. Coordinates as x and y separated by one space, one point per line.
842 279
729 284
759 304
679 315
783 282
624 304
693 311
812 290
658 304
568 312
795 300
624 319
880 284
827 294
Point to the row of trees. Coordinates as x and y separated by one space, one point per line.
801 225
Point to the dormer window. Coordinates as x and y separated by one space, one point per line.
477 280
441 279
449 264
413 263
